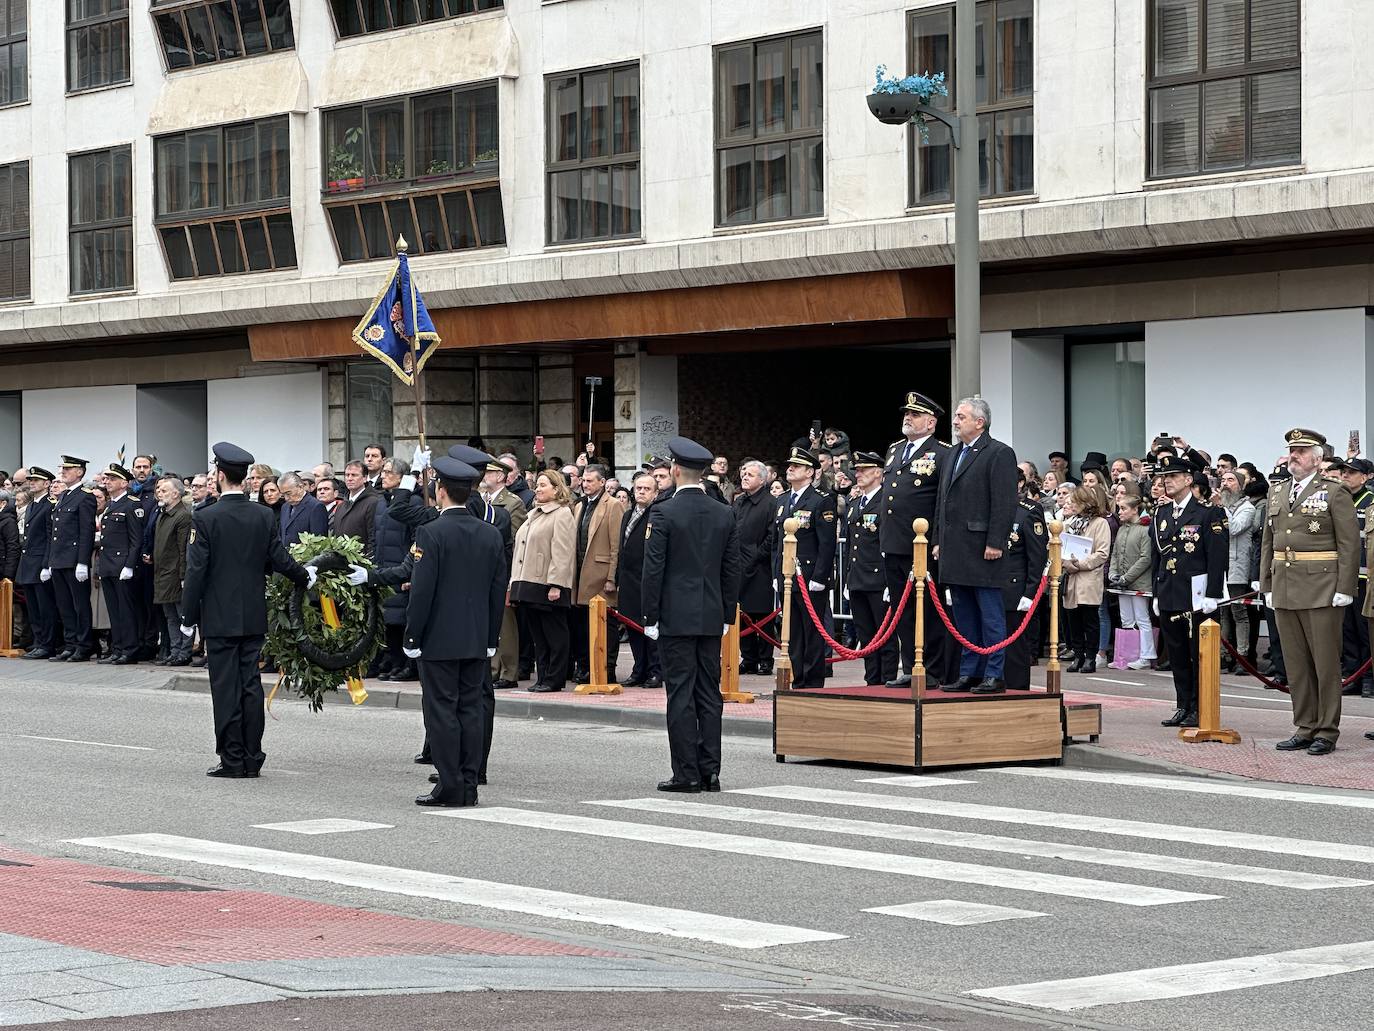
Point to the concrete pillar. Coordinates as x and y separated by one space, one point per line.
1023 382
556 422
627 450
658 408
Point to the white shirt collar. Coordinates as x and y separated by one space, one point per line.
869 496
691 486
355 495
231 490
1302 484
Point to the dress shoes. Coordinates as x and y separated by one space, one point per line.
430 801
227 772
687 787
766 670
199 662
1296 743
124 660
1189 719
1176 720
434 778
481 780
104 660
711 782
956 687
990 685
1321 746
37 653
653 682
632 682
423 759
178 662
504 685
79 656
63 655
1369 734
902 681
544 688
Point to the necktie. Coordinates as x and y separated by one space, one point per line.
960 460
1293 494
795 498
906 451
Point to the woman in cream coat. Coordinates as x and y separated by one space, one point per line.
541 577
1083 584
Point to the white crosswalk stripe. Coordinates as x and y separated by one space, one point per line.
1193 835
955 913
1171 865
827 855
1191 786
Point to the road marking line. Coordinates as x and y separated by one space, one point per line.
1171 865
1074 822
954 912
74 741
1109 680
916 780
828 855
1177 982
1200 787
513 898
323 826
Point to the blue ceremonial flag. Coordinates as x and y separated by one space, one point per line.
397 329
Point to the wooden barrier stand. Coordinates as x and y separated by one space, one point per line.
596 650
7 649
782 671
729 665
1052 671
918 598
1209 690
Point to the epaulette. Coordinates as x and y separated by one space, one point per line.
945 444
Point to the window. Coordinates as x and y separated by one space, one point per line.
14 231
224 199
1107 397
97 44
770 162
102 227
593 154
425 167
14 51
1005 87
369 406
356 17
1225 85
205 31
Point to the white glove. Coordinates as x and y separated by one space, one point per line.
1209 605
651 632
310 577
420 460
725 630
775 587
491 653
357 575
46 575
1254 585
188 631
407 482
1023 605
1155 606
126 573
1268 599
411 653
813 586
83 573
846 594
887 595
1340 601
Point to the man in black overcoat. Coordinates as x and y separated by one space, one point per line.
754 516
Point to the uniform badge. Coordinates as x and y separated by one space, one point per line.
829 517
416 552
192 539
869 521
1163 526
1314 526
804 518
649 528
1014 538
1189 547
780 509
138 513
1171 565
1038 529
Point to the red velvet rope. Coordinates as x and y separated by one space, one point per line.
625 619
934 593
1274 685
885 630
757 628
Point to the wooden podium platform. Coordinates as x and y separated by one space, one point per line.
889 727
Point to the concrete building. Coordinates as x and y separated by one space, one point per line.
688 200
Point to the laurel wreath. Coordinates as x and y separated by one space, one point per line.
314 659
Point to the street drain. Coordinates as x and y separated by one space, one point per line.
153 886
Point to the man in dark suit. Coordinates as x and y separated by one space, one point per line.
300 513
121 545
38 592
865 579
356 515
1023 566
453 627
817 537
911 481
973 516
69 561
754 517
647 671
231 547
691 589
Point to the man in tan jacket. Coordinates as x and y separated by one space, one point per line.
1309 565
505 667
598 517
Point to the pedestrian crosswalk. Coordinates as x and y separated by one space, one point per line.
950 875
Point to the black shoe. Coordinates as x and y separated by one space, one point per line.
1367 689
1088 667
1296 743
968 683
1280 678
163 662
407 674
1077 666
178 662
199 662
80 656
544 688
63 655
37 653
957 686
434 778
632 682
989 686
578 676
430 800
224 771
652 683
1369 734
1176 720
766 670
904 680
711 783
423 759
384 677
1189 720
1321 746
503 685
690 787
1162 666
481 780
104 660
124 660
748 669
524 673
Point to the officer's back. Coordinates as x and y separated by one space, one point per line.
698 588
457 587
224 593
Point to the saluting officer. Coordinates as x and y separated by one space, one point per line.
35 574
453 626
232 545
866 578
1187 539
1309 566
1023 564
911 482
69 562
816 540
121 546
690 592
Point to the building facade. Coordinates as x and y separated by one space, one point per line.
689 202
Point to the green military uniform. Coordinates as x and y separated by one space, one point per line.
1310 553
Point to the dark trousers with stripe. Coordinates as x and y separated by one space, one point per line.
42 608
74 603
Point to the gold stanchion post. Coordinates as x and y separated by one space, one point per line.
7 649
729 665
1209 690
918 598
782 670
1052 671
596 651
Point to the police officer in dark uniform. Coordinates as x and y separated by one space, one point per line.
816 540
911 481
121 547
33 564
1355 473
690 592
866 578
453 627
1188 539
232 545
1024 563
69 562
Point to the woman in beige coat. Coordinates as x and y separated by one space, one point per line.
1083 577
541 577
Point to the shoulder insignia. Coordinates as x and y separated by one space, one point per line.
945 444
138 511
87 490
829 517
1038 528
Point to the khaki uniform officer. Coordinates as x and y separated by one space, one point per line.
1309 566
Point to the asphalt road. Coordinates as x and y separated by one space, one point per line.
538 828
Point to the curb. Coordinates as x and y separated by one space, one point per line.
1095 757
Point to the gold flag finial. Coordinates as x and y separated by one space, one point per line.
401 245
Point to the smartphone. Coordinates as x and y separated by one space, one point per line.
1354 442
538 445
816 428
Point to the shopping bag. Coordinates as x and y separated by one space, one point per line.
1127 648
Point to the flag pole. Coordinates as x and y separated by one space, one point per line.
401 248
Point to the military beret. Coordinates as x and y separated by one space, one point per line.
688 453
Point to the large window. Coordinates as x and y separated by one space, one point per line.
14 51
101 216
593 154
202 32
1107 397
1004 73
224 199
1225 85
356 17
14 231
770 161
97 43
368 411
425 167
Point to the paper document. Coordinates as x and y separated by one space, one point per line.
1074 546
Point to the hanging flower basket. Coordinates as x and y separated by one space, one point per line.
898 101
